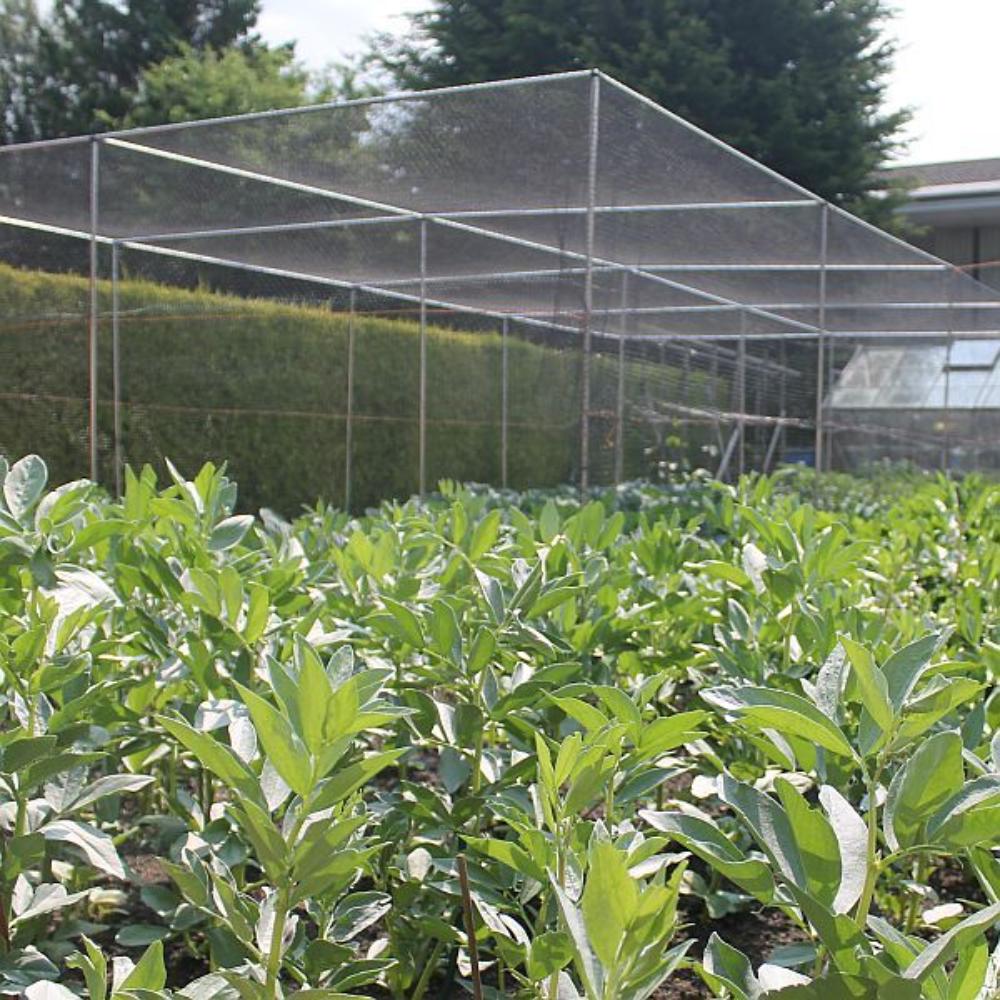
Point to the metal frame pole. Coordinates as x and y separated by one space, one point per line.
94 304
504 401
946 457
742 383
782 392
422 412
116 373
349 425
588 284
620 401
824 226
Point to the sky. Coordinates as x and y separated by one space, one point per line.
947 69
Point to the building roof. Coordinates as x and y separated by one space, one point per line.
951 172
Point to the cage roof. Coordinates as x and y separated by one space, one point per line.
560 201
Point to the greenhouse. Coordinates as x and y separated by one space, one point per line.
933 405
525 283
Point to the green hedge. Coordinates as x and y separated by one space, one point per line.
261 385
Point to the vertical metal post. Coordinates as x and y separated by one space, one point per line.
588 284
116 371
504 401
742 384
349 424
422 415
782 394
94 304
824 225
620 402
946 457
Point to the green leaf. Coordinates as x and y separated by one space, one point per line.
149 972
548 522
840 935
408 627
609 901
220 760
229 533
801 843
704 839
284 749
937 699
970 817
592 719
494 596
925 782
22 752
969 974
485 535
788 713
349 779
313 699
946 947
258 609
590 973
904 668
96 846
851 832
815 842
23 485
548 953
444 632
94 967
727 967
509 854
669 732
872 685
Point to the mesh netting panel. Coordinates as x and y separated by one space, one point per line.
543 406
228 366
144 194
47 184
44 350
468 150
294 284
464 428
647 156
710 235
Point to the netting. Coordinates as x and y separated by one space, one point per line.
524 283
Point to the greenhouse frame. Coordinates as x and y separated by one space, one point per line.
642 294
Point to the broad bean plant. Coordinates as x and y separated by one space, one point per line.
529 745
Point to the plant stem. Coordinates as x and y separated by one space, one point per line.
470 928
274 953
429 966
919 875
865 902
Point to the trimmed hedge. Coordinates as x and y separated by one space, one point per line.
261 385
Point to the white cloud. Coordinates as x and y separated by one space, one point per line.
329 30
948 71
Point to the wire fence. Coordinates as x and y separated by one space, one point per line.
527 283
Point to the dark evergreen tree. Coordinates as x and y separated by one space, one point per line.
797 84
19 40
92 53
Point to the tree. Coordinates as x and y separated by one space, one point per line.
19 37
209 84
92 53
798 84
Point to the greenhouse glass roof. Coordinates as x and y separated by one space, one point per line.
964 376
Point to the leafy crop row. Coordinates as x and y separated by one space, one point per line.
516 745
